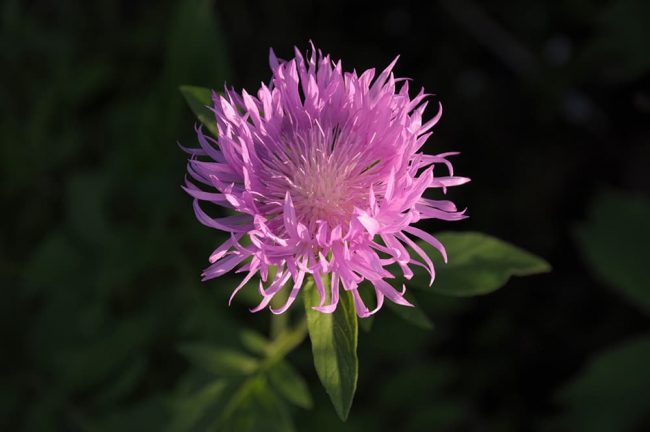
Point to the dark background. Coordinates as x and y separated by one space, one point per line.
549 103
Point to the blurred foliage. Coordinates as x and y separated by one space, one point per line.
100 252
613 392
614 242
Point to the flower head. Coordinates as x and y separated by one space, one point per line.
324 172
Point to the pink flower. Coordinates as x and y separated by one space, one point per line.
324 173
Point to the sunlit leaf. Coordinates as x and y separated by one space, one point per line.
334 347
199 98
478 264
615 240
288 382
220 361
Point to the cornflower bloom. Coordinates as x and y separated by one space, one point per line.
325 176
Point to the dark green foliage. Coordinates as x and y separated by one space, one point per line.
615 240
612 393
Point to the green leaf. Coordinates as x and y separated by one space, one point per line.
413 315
123 384
255 408
478 264
366 323
255 342
614 242
199 98
288 382
334 346
612 393
286 341
188 410
220 361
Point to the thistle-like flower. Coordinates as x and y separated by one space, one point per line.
324 173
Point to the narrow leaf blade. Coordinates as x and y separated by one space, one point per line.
334 340
220 361
290 384
198 99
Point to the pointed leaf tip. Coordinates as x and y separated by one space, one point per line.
478 264
199 99
334 338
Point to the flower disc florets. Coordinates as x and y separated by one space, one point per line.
324 172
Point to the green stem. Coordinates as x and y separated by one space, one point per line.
284 338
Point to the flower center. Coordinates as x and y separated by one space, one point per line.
325 175
323 191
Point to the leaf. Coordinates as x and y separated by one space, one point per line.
334 347
189 409
254 342
123 384
366 323
285 342
413 315
288 382
478 264
612 393
255 408
220 361
198 99
614 242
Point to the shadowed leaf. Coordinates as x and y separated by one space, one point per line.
614 242
478 264
612 393
288 382
220 361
